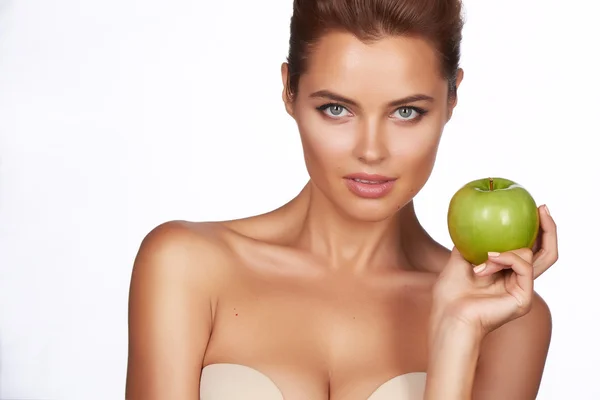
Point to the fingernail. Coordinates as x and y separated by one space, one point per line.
546 209
479 268
493 254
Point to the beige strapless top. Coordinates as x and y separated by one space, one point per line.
238 382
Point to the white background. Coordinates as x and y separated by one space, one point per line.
117 115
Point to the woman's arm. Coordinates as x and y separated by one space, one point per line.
497 347
468 307
508 363
513 357
454 350
169 315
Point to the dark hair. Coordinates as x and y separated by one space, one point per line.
438 21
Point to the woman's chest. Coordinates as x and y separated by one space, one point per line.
326 342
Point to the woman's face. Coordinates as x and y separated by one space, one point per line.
370 118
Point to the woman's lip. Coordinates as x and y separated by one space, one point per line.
369 188
370 177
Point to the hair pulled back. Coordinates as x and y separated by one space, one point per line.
438 21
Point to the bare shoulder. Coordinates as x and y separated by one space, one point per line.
183 236
188 249
534 328
177 275
516 351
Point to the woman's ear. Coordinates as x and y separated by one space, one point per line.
454 100
287 100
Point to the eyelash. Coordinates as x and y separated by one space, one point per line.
420 111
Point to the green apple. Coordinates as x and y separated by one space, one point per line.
492 214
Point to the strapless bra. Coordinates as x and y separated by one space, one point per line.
238 382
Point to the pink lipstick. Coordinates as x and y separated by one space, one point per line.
369 186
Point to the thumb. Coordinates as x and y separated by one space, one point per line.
456 257
457 263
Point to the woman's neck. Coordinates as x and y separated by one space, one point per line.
348 243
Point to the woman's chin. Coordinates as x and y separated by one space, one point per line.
371 211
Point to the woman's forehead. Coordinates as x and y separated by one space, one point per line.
341 62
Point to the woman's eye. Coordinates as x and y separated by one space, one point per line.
406 113
334 110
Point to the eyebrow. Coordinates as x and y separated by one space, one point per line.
395 103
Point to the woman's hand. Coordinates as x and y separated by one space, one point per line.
545 249
488 296
484 303
467 307
471 301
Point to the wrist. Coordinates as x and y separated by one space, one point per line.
450 327
464 338
454 349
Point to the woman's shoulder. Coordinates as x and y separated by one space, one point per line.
179 240
193 253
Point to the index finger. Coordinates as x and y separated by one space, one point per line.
548 253
522 269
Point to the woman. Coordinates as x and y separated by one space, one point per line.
340 293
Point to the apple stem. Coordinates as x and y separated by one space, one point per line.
491 184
